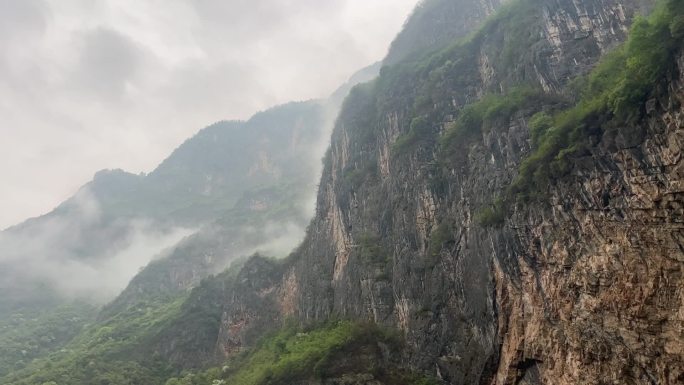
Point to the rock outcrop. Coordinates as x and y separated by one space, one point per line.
584 288
599 296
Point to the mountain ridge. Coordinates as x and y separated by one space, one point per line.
231 180
487 214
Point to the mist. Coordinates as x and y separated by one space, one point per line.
87 250
51 253
89 85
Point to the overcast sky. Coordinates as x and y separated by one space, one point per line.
93 84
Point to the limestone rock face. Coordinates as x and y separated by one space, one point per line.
251 305
585 288
599 296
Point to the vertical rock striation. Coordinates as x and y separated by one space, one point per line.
599 296
585 288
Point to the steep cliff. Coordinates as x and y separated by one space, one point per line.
436 23
417 226
506 195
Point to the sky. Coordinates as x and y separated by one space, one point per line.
92 84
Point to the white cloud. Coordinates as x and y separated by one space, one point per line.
53 252
92 84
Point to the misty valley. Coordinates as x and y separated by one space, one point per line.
498 201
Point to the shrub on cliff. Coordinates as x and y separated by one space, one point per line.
613 95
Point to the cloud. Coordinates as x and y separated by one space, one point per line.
109 62
54 252
22 19
93 84
283 238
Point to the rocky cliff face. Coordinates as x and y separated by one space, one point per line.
435 23
585 287
598 298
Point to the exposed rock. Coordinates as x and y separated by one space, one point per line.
600 294
584 289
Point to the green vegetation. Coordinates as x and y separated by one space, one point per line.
27 336
289 356
519 21
435 24
337 349
492 216
246 181
613 95
419 132
359 113
539 124
440 237
355 177
426 83
108 352
371 250
610 102
360 116
432 23
481 115
122 346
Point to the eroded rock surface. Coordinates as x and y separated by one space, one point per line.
585 288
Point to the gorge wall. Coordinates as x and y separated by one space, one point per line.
582 287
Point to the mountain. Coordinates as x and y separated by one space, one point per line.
507 203
502 205
120 216
267 219
232 189
254 179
